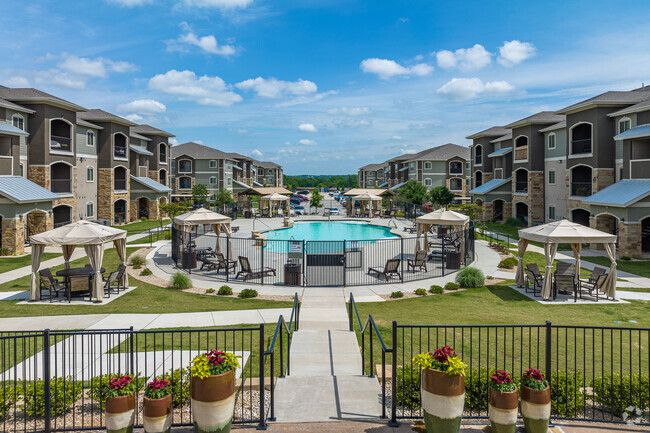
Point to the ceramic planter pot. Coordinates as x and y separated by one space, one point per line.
120 414
213 402
443 399
157 415
502 408
536 409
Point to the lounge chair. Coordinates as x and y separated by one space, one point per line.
234 229
207 262
389 214
593 283
391 268
51 284
419 262
224 264
248 272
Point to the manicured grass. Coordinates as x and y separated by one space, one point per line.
10 263
513 232
636 267
155 237
140 226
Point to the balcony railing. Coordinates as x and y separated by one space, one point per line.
581 189
120 152
60 143
521 153
455 170
581 146
120 184
61 185
521 187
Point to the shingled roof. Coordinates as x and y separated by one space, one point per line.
97 115
541 118
198 151
30 95
494 131
150 130
613 98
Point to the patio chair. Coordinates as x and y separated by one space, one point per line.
535 279
51 284
593 283
234 229
110 282
121 269
419 262
224 264
390 269
389 214
207 263
78 284
248 272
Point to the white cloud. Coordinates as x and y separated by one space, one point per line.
207 44
465 59
17 82
307 142
134 117
142 106
307 127
461 89
396 137
514 52
204 90
219 4
98 67
274 88
386 69
121 67
130 3
198 141
59 78
350 111
306 99
173 141
256 153
242 131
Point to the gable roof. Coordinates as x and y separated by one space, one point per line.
489 186
82 122
21 190
198 151
98 115
621 194
30 95
150 130
554 127
541 118
138 136
9 129
641 106
612 98
151 184
10 105
372 167
494 131
502 138
441 153
268 164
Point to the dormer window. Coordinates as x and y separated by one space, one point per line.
18 121
60 135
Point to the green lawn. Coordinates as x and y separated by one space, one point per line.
636 267
9 263
513 232
140 226
155 237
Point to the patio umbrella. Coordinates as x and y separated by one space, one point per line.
205 216
441 217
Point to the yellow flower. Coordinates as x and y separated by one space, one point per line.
456 366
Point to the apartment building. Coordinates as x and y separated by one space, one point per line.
371 175
60 162
269 174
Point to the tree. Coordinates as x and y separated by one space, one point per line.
414 192
223 196
441 196
200 193
472 210
174 208
316 198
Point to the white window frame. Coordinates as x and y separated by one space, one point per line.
570 143
212 161
72 138
461 184
178 169
92 208
554 177
476 147
90 138
179 183
20 117
552 134
427 166
428 182
164 162
90 170
623 119
126 146
549 213
210 181
461 168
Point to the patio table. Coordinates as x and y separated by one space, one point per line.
85 271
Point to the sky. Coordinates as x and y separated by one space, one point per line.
325 86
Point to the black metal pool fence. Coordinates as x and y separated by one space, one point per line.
320 263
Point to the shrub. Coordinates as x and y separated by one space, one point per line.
180 281
408 387
399 215
477 385
451 286
421 292
397 294
437 290
224 291
180 383
515 222
248 293
145 272
8 396
209 290
470 277
508 263
136 266
64 391
618 393
99 387
137 261
626 258
567 398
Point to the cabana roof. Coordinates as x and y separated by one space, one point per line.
373 191
201 216
78 233
443 217
265 191
275 197
366 197
567 232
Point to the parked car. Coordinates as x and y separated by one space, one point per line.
300 210
303 198
303 192
295 201
334 211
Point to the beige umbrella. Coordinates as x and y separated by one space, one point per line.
440 217
367 200
205 216
272 198
92 236
566 232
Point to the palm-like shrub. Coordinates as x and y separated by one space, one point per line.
470 277
180 281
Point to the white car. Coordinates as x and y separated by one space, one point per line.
334 211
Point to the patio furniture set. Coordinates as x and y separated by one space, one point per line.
79 282
565 281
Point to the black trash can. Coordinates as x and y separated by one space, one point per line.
188 260
453 260
292 274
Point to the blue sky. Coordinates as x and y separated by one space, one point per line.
324 86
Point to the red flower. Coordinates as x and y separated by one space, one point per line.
501 377
534 374
442 354
120 382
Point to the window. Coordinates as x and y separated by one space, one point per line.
119 146
551 212
620 173
213 163
90 138
22 172
427 165
581 139
213 180
551 177
624 124
90 210
18 121
478 155
455 167
427 182
551 141
90 174
184 166
119 180
162 154
185 183
60 135
456 184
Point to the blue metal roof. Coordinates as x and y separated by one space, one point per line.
637 131
399 185
383 185
623 193
141 150
489 186
500 152
151 184
21 190
7 128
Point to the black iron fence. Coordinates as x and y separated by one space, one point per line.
320 263
596 373
57 380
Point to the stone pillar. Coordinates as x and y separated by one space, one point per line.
154 210
154 175
604 224
602 178
507 211
136 210
535 200
629 240
488 212
40 175
13 235
105 194
487 177
38 222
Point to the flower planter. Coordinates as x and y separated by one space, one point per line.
502 408
536 409
213 402
157 415
120 414
443 399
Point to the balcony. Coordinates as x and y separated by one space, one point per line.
455 168
120 152
521 187
581 189
61 144
120 184
521 153
61 186
581 146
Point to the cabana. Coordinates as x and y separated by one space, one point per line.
203 216
92 236
441 217
270 199
367 200
566 232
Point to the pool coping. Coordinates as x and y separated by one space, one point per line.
393 230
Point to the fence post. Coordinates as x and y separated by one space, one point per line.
131 351
548 351
227 257
345 265
350 313
442 258
47 397
401 256
393 380
261 240
262 424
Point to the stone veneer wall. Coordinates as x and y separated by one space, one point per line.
154 210
135 210
154 175
507 210
603 223
106 196
488 212
13 235
629 240
536 208
40 175
39 222
601 179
